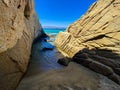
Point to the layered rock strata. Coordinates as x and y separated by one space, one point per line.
19 26
102 61
98 29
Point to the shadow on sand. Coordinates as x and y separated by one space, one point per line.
44 57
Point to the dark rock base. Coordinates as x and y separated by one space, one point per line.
104 62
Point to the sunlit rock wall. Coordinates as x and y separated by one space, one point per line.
98 28
19 26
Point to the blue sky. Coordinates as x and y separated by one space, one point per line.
60 13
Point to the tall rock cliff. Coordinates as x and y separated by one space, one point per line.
97 31
98 28
19 26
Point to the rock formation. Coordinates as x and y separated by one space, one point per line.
19 26
99 31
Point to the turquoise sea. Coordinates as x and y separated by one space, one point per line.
53 32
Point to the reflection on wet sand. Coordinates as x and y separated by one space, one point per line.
44 57
44 73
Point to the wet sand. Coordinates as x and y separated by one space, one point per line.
43 60
44 73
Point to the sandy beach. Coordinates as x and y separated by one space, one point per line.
44 73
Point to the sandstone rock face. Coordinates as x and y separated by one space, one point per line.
19 26
98 28
94 39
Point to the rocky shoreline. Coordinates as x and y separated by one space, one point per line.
19 26
98 61
93 42
44 72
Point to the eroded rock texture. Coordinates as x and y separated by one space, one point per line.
98 29
19 26
102 61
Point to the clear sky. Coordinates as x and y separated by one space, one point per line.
61 12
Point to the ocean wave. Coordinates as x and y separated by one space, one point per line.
52 34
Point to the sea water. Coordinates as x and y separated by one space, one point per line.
53 32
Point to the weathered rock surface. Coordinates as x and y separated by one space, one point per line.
57 77
97 61
64 61
19 26
98 28
98 31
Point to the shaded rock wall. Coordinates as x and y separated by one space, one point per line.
98 28
19 26
94 39
102 61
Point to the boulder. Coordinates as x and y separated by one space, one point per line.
19 26
98 28
96 34
64 61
